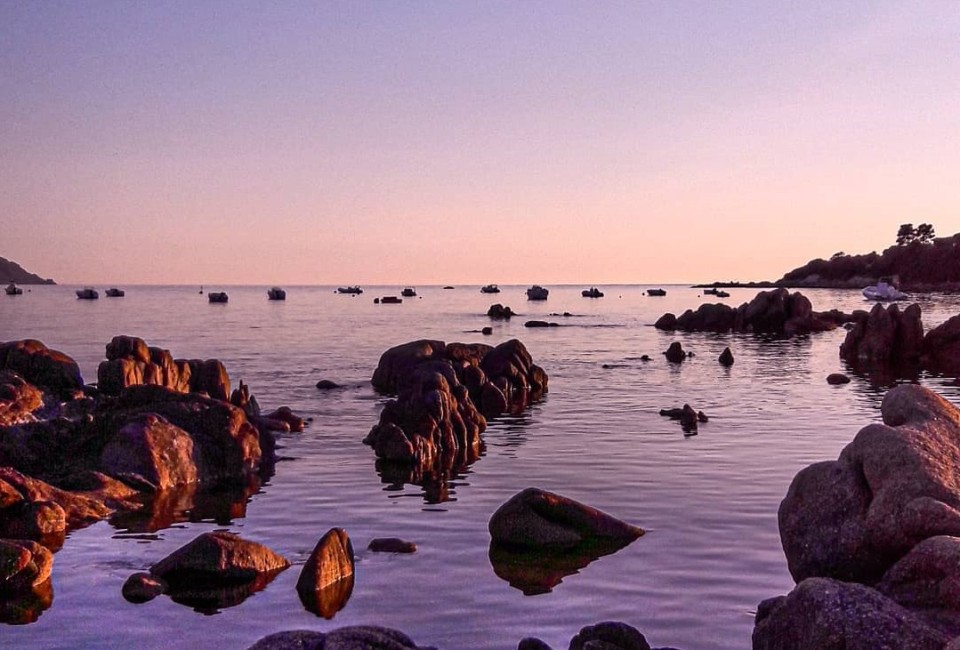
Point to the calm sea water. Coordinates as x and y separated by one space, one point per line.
709 502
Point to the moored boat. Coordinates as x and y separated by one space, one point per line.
490 288
409 292
656 292
88 293
218 296
353 290
536 292
388 300
13 290
592 292
113 292
276 293
883 290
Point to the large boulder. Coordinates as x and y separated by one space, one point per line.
331 561
360 637
398 362
151 450
927 580
23 565
941 347
886 336
609 635
41 366
18 399
218 557
131 362
535 518
892 487
831 615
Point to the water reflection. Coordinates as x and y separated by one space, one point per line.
189 503
24 608
328 601
538 572
437 478
209 598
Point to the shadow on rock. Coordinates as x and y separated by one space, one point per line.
26 607
538 571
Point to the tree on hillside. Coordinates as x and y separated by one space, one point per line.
908 234
905 234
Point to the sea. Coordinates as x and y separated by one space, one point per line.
708 502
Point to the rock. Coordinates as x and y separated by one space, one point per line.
886 336
398 362
540 323
154 451
143 587
708 318
675 353
331 561
79 508
726 358
293 421
927 579
837 378
609 636
532 643
23 565
33 520
41 366
688 416
361 637
667 322
18 399
486 331
391 545
892 487
539 519
499 312
941 347
326 384
218 557
831 615
26 606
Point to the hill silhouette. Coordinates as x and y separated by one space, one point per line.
10 270
914 266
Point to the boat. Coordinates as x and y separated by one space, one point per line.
389 300
536 292
113 292
276 293
712 291
87 293
449 287
409 292
592 292
656 292
13 290
721 294
490 288
353 290
218 296
883 290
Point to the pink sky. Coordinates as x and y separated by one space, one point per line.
441 142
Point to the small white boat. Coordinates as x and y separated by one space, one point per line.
88 293
276 293
883 290
536 292
13 290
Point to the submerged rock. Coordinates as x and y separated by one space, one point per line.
837 378
726 358
360 637
499 312
391 545
675 353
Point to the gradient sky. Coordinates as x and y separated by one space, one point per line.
445 142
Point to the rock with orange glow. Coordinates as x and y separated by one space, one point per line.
39 365
18 399
23 565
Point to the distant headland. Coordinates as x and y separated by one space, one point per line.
916 262
12 272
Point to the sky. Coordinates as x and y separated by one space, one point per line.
423 142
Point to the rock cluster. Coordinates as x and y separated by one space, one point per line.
499 312
445 392
873 538
777 312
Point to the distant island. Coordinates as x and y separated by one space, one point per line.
12 272
917 262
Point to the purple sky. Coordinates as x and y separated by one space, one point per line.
453 142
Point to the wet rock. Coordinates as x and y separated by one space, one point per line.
499 312
326 384
391 545
837 378
487 331
675 353
23 565
832 615
218 557
143 587
540 323
25 607
540 519
667 322
361 637
726 358
941 347
283 414
331 561
892 487
79 508
532 643
33 520
688 416
609 636
18 399
398 362
41 366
